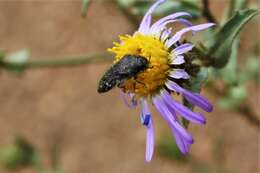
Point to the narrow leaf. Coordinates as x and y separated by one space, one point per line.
229 72
220 49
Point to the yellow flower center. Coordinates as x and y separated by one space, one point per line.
154 77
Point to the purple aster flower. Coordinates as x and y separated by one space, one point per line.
160 79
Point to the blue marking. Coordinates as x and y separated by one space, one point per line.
145 119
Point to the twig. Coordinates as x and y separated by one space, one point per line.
249 115
60 61
207 13
67 61
243 109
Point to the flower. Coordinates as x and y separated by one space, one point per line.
161 79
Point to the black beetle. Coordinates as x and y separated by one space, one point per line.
127 67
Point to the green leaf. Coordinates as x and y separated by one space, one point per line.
229 72
236 5
220 49
84 7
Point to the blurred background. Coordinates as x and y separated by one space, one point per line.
54 118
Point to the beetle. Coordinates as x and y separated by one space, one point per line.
127 67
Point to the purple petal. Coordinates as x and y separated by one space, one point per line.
176 60
182 145
177 125
145 107
165 19
146 114
129 99
183 138
193 98
179 74
149 141
174 87
198 100
188 114
145 119
171 110
162 109
158 28
183 132
148 122
185 112
196 28
185 22
183 49
163 25
146 21
166 34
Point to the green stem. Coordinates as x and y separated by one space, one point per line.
61 61
185 122
67 61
